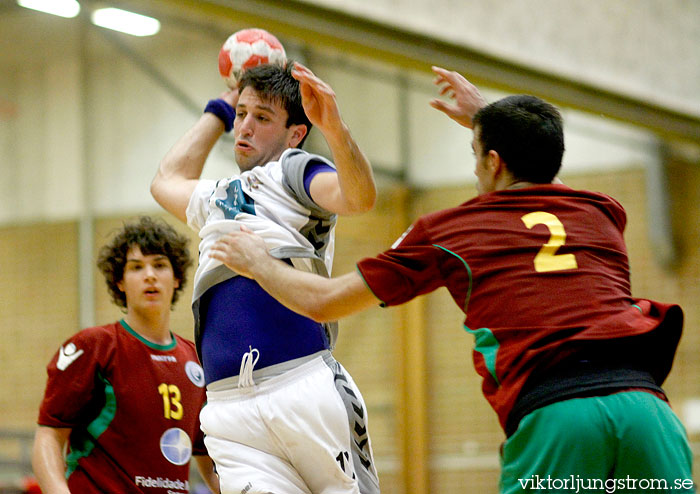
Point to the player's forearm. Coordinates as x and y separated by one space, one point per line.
321 299
299 291
205 465
47 460
355 177
182 166
318 298
186 158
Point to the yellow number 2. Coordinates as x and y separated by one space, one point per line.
547 259
172 408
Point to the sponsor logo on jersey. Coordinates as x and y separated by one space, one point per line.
195 372
163 358
162 483
67 355
176 446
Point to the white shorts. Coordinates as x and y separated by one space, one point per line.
301 432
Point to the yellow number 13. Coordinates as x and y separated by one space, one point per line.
172 408
547 259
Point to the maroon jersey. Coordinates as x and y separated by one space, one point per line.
133 407
536 271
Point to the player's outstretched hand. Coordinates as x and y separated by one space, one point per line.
241 251
318 99
466 96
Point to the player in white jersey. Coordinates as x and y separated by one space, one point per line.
282 414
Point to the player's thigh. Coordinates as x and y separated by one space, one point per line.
318 432
236 420
653 446
242 468
557 446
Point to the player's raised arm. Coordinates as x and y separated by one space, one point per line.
182 166
352 189
466 96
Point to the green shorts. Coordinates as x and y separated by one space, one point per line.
624 442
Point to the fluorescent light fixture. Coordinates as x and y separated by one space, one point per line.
125 21
64 8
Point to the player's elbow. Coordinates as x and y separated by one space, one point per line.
330 305
368 202
363 203
154 187
157 188
320 313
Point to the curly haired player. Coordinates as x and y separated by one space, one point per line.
125 397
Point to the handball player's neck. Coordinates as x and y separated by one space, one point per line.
153 326
520 184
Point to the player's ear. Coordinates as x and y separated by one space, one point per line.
120 285
494 163
297 134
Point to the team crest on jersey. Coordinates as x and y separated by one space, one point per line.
195 372
176 446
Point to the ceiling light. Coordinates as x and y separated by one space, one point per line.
125 22
64 8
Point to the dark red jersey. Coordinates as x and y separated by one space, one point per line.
536 271
133 407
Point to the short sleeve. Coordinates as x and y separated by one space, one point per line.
313 169
198 207
294 164
71 383
409 269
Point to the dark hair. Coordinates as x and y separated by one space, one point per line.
275 84
153 236
527 133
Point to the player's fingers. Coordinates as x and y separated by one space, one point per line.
439 80
438 104
220 245
301 67
298 73
440 71
316 84
304 75
216 253
454 79
447 89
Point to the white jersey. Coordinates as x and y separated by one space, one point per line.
295 405
272 202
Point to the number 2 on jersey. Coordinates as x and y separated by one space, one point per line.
547 259
172 408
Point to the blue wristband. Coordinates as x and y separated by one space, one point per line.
223 110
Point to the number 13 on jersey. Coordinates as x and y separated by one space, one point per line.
172 408
547 259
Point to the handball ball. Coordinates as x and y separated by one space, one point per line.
245 49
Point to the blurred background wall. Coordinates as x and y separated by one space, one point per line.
86 114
